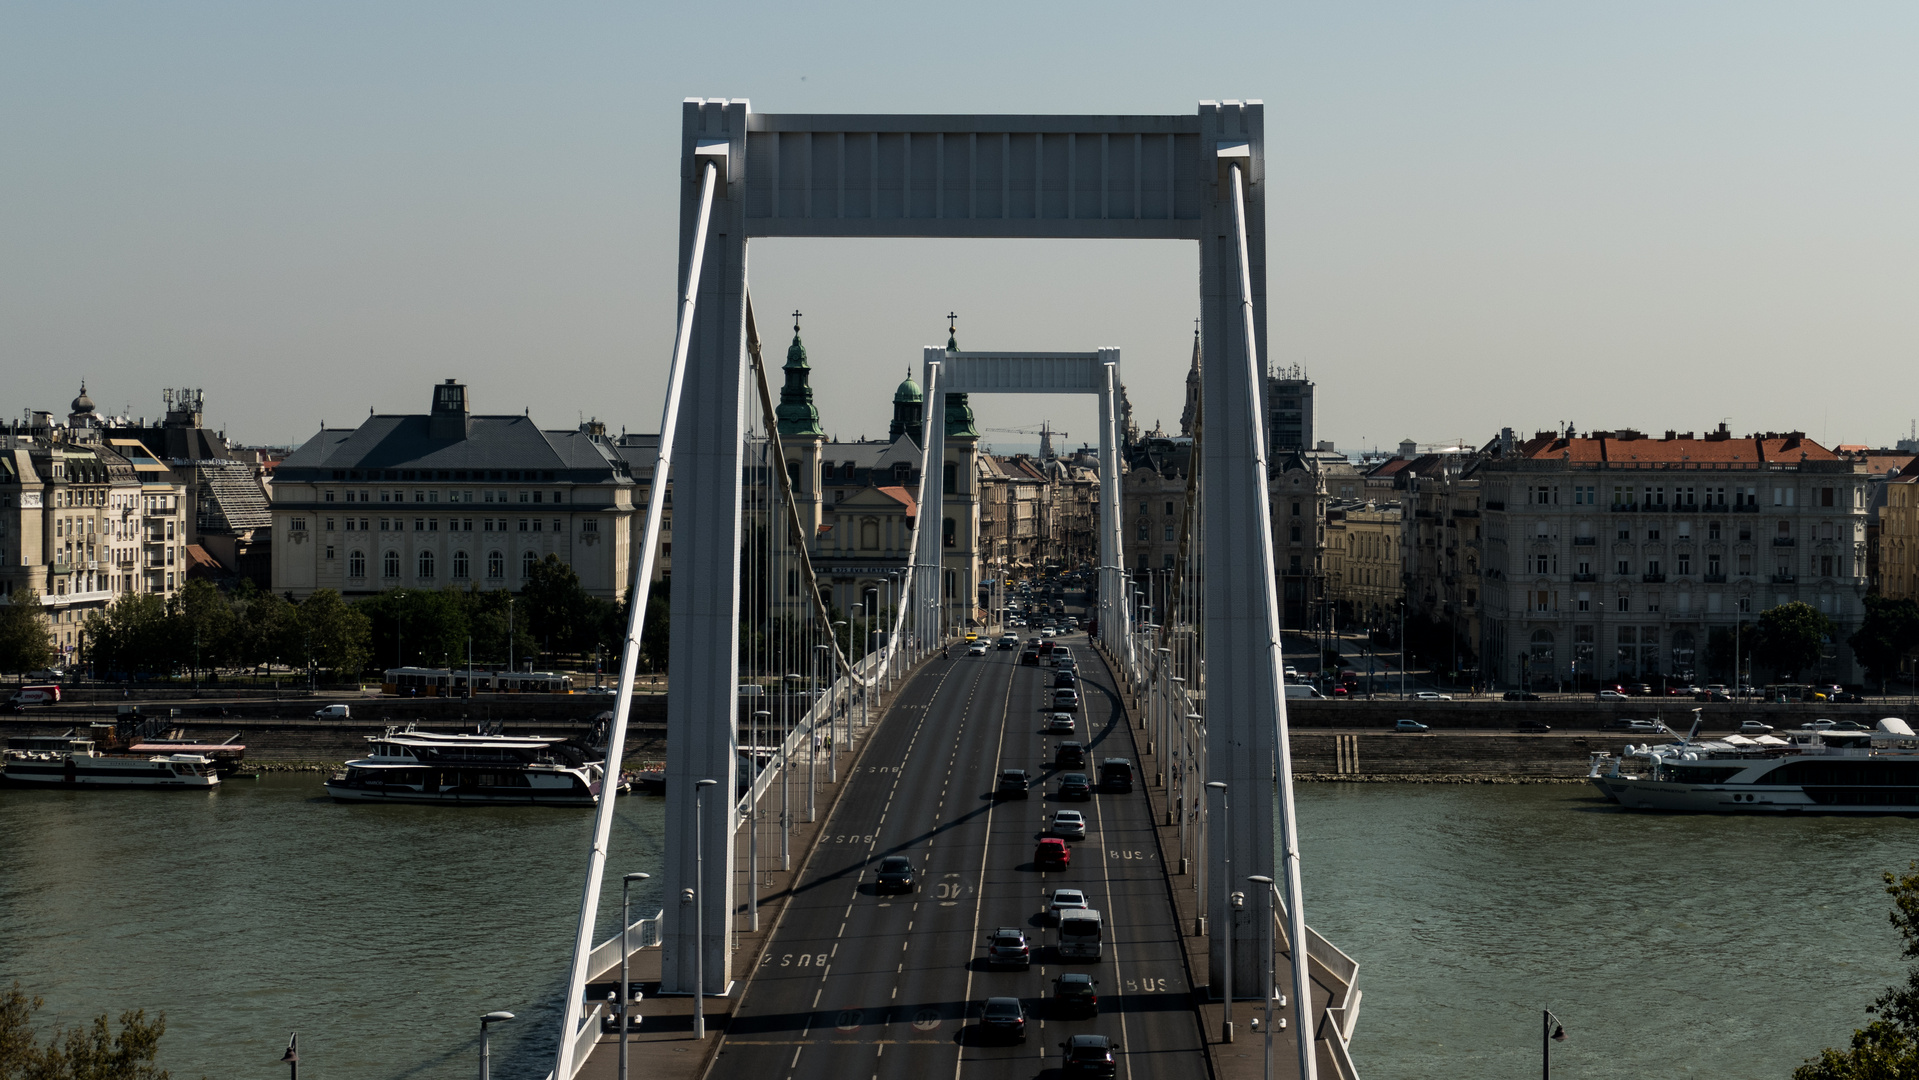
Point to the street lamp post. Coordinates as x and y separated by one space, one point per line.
753 815
486 1047
292 1056
626 985
1226 849
699 907
1272 975
1550 1032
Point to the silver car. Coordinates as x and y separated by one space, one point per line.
1066 900
1069 825
1059 724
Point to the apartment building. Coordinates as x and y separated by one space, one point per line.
1364 569
1619 556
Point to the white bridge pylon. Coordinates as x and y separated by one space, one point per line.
1197 177
946 373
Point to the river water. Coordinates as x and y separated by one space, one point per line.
1669 946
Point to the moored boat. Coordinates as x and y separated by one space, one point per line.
72 761
1873 771
478 769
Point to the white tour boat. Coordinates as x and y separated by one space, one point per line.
71 761
1872 771
471 769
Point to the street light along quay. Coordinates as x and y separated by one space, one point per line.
1226 843
486 1052
1550 1032
626 984
699 907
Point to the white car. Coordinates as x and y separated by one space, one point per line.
1047 631
977 648
1431 695
1754 727
1066 900
1609 695
1068 825
1059 724
1816 725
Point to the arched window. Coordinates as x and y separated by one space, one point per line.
495 565
426 566
390 565
461 569
527 559
356 564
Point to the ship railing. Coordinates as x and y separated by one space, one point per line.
643 934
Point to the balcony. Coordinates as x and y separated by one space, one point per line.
1714 579
1783 541
1622 508
1585 577
1585 541
1495 504
1746 508
1654 508
1784 579
1652 579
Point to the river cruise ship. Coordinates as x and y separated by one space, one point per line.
1873 771
471 770
72 761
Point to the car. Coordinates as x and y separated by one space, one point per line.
972 635
1066 900
1052 854
1848 696
1069 754
1063 676
1075 994
1291 672
1063 661
1710 694
1639 689
1029 656
1072 622
1408 725
1609 695
1116 774
1754 727
1431 695
1047 631
1009 641
1534 727
1074 785
1068 825
1647 727
1007 947
1520 695
333 712
1003 1018
1059 723
600 691
896 875
977 648
1849 725
1065 697
1012 784
1817 725
1087 1056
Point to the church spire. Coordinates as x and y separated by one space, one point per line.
959 412
796 413
1190 414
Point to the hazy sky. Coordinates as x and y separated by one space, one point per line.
1483 214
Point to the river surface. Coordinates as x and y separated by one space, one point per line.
1669 946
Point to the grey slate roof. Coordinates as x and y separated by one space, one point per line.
496 443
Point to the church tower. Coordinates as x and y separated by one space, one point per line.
1189 415
959 539
909 407
801 438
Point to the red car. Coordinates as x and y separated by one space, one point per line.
1052 853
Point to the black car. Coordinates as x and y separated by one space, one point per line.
1012 784
1116 774
1074 785
1030 655
1070 754
1520 695
1534 727
1075 994
896 875
1003 1018
1088 1055
1064 678
1848 696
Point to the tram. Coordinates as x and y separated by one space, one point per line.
452 682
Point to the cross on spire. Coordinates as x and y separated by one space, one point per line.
796 320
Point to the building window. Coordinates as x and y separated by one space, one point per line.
1170 533
523 525
356 564
1624 567
1685 564
329 496
390 565
1745 603
460 565
495 565
592 525
556 525
329 553
527 562
1625 603
426 566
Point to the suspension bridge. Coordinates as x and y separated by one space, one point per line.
803 749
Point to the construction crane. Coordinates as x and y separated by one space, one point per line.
1045 431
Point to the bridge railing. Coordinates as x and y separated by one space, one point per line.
643 934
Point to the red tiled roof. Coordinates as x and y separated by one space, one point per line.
903 497
1631 448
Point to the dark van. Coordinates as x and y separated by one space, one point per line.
1116 774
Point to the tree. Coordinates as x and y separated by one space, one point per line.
555 604
83 1052
1791 638
24 644
1886 1048
333 634
268 631
130 637
1890 631
202 625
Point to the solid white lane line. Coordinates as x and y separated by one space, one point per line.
986 848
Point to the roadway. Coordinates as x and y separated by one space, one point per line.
854 984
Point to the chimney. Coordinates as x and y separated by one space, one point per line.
450 420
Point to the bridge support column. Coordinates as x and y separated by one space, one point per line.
704 668
929 556
1111 550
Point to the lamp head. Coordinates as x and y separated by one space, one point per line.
1559 1033
1217 785
496 1018
705 783
1260 878
636 877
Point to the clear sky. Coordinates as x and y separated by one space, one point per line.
1657 215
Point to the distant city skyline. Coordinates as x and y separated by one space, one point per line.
1481 215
